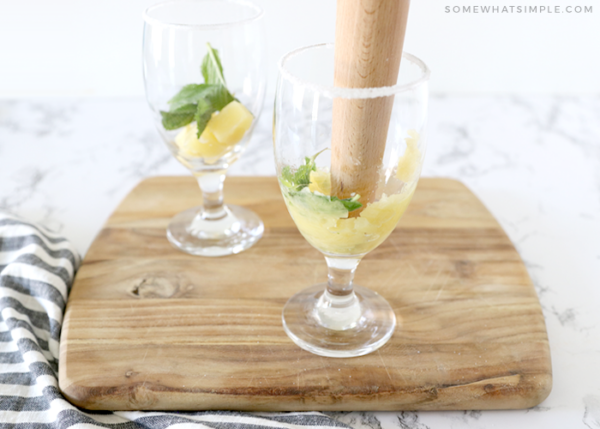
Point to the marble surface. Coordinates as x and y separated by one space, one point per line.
534 161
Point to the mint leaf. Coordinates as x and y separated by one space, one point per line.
302 176
218 96
212 70
319 204
331 206
189 94
204 111
287 177
350 203
178 117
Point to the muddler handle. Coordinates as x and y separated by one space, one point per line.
368 47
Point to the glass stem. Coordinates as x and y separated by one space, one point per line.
338 308
214 221
340 275
211 184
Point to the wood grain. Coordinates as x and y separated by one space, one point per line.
148 327
369 35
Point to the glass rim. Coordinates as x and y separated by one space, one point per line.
359 93
259 12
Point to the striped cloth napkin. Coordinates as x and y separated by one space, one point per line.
36 273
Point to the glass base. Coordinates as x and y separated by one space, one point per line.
235 232
364 326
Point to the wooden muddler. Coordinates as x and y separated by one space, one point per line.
369 36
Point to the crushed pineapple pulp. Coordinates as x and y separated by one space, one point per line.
351 236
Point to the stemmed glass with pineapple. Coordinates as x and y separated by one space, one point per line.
204 73
343 221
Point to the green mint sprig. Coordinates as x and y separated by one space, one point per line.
350 203
212 70
197 102
300 179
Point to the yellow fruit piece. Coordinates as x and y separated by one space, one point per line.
408 164
207 146
382 211
320 181
230 125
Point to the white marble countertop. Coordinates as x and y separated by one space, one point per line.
534 161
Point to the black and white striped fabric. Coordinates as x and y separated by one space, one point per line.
36 272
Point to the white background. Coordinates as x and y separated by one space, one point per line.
93 48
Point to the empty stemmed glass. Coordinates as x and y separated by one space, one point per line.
204 72
339 318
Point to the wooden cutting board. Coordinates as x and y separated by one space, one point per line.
148 327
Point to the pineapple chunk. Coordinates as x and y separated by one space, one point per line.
230 125
207 146
408 164
320 181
